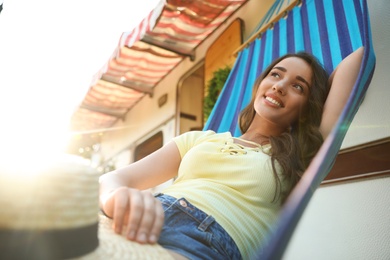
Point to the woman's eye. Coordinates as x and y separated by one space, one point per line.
275 75
298 87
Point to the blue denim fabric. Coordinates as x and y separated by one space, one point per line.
192 233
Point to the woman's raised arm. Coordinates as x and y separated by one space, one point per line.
341 83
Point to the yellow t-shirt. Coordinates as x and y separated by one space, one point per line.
233 183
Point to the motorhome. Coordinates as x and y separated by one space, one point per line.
164 82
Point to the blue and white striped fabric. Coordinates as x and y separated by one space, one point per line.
331 30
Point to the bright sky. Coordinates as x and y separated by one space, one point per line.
49 52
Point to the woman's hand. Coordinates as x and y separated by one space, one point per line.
136 213
123 196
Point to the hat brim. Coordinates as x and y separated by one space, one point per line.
116 247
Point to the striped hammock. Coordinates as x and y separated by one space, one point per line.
331 30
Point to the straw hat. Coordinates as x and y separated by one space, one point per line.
53 213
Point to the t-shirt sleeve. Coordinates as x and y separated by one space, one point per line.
189 139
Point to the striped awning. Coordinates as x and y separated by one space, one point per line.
144 56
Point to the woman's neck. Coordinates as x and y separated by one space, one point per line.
255 137
260 133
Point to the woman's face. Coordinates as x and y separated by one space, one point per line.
284 92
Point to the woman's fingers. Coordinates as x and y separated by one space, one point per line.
158 222
140 212
135 213
121 205
152 219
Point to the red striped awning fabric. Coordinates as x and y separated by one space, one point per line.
145 55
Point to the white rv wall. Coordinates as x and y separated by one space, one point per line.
352 220
349 221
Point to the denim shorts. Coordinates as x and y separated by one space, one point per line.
192 233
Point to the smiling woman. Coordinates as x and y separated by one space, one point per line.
284 93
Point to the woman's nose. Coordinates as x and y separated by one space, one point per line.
279 87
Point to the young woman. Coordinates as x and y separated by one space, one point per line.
228 190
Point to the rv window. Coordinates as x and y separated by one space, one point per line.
148 146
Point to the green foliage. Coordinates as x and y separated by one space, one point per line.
214 87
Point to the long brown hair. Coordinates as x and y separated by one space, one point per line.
294 150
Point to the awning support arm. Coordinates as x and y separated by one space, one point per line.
103 111
127 84
190 55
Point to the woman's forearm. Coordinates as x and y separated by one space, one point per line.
146 173
341 83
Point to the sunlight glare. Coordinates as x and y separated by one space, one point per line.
50 51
